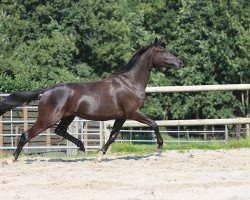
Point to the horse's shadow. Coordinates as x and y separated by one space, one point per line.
91 159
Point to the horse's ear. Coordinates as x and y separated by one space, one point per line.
156 42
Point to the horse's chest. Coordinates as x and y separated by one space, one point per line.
133 101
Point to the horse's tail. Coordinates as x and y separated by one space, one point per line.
18 99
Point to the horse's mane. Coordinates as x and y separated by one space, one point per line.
133 60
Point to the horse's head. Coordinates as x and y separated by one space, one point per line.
162 57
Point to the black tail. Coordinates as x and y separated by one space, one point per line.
18 99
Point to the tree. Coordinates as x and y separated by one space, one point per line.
67 41
212 39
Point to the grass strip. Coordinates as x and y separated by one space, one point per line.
123 148
126 148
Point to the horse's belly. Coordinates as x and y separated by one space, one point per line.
94 109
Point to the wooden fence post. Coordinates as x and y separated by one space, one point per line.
16 135
85 136
248 129
106 133
178 135
187 134
1 134
73 129
48 139
205 132
213 132
238 131
131 135
25 124
226 133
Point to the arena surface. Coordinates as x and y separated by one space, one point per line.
196 175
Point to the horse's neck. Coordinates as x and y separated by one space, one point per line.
139 74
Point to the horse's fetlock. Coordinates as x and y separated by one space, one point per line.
160 144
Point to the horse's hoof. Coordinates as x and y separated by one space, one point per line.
158 153
99 157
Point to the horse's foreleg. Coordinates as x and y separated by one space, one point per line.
61 130
113 135
140 117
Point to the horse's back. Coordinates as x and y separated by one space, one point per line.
100 100
92 100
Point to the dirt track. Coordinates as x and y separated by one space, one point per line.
190 175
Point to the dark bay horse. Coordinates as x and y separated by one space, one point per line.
118 97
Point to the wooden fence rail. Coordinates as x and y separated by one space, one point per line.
192 122
198 88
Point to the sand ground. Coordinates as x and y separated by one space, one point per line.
201 175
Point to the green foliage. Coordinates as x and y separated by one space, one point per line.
47 42
108 32
212 38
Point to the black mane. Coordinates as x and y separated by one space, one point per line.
133 60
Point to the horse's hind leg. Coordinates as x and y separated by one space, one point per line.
27 136
61 130
45 119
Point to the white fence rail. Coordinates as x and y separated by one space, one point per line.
192 122
198 88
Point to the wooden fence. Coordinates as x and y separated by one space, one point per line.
48 139
13 123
